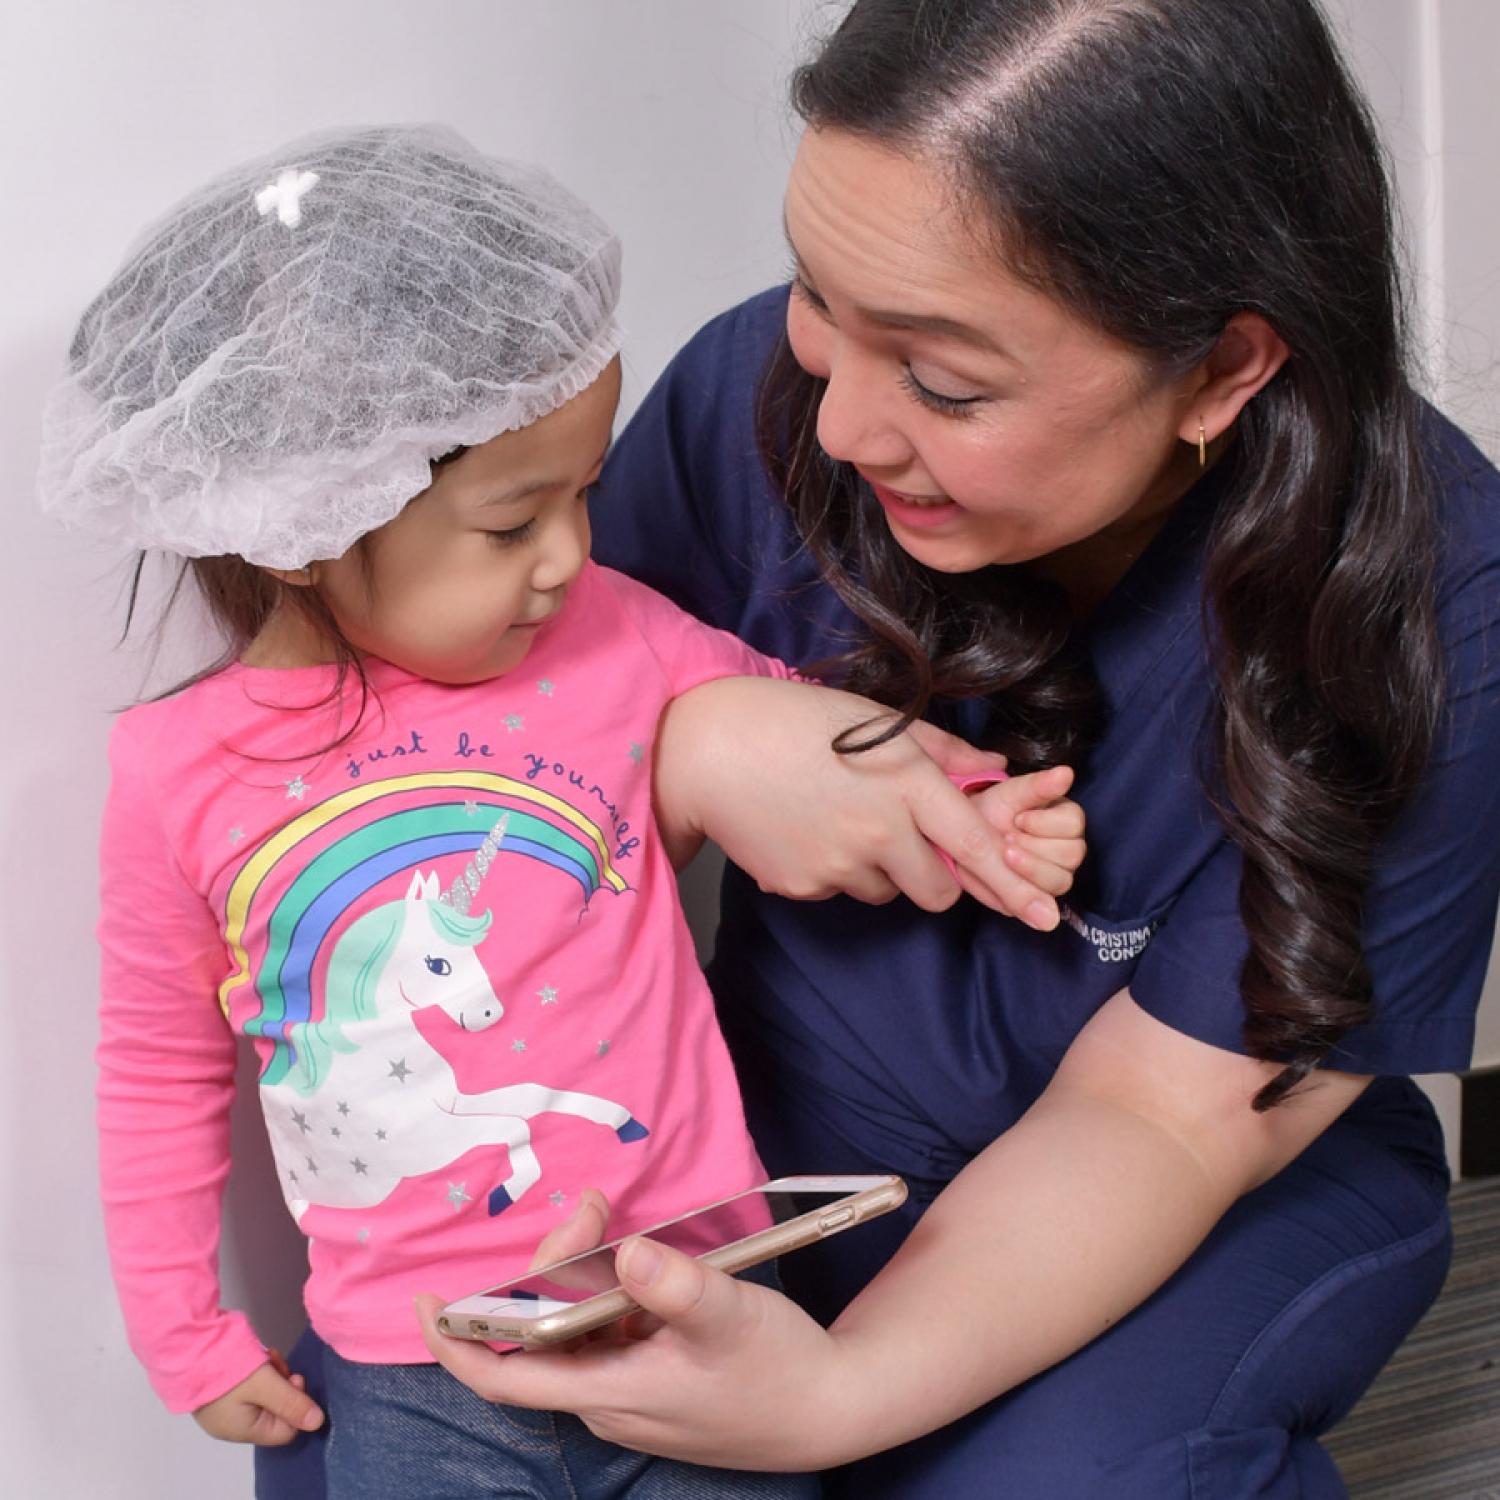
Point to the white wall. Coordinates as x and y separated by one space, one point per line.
1464 43
666 114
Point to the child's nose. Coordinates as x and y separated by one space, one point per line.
564 550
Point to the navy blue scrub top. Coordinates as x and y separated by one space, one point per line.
886 1036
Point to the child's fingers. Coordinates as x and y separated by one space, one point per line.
284 1410
1059 820
1055 880
270 1431
1036 789
1068 853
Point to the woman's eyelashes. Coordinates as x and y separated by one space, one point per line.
951 406
805 293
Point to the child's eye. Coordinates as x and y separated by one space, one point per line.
514 536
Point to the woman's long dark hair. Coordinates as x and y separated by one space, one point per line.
1158 166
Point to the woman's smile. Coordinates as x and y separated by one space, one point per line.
921 511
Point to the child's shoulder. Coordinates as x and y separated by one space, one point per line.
152 717
641 604
160 727
686 649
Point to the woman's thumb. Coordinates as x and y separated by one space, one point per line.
681 1291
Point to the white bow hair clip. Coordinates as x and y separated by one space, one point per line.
285 196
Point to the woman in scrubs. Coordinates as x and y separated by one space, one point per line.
1084 429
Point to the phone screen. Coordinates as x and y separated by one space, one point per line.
541 1294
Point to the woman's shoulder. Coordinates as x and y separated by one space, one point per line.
743 336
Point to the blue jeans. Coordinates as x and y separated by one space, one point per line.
412 1432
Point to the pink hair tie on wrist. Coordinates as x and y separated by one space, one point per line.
968 785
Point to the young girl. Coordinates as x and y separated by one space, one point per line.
402 837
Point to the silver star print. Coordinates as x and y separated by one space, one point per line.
547 995
343 1106
557 1199
400 1071
296 788
235 835
636 752
300 1121
546 687
518 1045
514 722
601 1049
334 1131
457 1196
312 1166
291 1176
360 1169
380 1135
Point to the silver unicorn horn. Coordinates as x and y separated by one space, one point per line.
460 895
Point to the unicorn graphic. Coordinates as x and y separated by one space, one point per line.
368 1101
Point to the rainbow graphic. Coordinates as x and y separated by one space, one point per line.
319 865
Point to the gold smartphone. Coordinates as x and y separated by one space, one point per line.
578 1295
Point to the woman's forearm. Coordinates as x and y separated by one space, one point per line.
1068 1221
1048 1237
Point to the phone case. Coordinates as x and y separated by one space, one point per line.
866 1198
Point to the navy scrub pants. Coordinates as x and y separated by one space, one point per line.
1217 1388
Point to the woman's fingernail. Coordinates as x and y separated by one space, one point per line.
641 1262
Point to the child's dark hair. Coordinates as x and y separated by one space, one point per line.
241 598
1158 166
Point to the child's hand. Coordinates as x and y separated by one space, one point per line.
269 1408
1042 828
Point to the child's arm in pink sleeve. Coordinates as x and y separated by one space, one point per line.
689 654
166 1078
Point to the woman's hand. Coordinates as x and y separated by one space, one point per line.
737 1375
748 762
269 1407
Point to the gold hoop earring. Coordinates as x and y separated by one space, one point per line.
1202 446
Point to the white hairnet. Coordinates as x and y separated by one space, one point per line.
280 357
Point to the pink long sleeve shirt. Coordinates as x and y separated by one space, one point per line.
455 945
